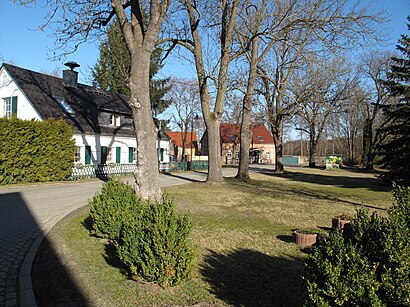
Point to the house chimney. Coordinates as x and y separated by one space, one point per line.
70 77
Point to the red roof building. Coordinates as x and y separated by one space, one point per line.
262 144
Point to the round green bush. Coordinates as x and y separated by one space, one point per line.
155 245
109 208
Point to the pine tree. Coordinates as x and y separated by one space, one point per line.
111 72
396 151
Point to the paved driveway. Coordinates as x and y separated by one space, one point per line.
29 211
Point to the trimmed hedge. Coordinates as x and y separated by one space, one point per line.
371 268
110 208
155 245
35 151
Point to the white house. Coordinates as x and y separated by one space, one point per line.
102 121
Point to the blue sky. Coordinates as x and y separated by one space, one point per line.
25 46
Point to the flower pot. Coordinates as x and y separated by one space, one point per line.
340 223
305 238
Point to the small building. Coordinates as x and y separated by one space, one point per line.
177 152
102 121
261 150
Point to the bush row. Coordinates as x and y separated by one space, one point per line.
369 268
151 239
34 151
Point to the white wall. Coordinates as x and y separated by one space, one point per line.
8 88
96 141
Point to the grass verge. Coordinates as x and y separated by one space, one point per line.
243 234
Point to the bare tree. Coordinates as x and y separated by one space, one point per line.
375 67
320 90
214 21
76 21
185 106
307 27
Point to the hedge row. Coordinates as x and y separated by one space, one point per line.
34 151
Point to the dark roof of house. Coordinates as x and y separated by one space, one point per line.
231 133
86 101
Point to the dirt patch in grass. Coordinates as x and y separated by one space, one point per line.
242 232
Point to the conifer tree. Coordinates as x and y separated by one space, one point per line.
396 151
112 70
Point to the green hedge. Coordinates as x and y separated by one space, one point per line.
370 268
110 208
155 245
34 151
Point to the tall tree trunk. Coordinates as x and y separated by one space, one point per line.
277 139
312 152
215 175
246 133
146 174
367 158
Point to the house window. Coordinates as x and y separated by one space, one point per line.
77 155
106 154
115 120
232 137
132 154
237 155
229 155
267 155
66 107
260 138
10 105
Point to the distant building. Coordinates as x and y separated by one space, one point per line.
261 150
177 152
102 121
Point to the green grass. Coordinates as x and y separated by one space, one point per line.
243 236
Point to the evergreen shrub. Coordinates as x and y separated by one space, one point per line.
371 268
155 244
111 207
35 151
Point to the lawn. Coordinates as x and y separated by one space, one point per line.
243 238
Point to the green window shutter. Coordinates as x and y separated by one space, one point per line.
14 105
161 154
118 155
103 154
87 155
130 154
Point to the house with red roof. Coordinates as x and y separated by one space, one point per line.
179 152
262 146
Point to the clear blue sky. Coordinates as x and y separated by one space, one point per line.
25 46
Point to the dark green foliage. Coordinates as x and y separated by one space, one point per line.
396 151
35 151
112 71
371 268
111 207
155 245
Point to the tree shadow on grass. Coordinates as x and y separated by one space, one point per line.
246 277
373 184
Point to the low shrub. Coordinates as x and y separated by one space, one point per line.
111 207
155 245
369 268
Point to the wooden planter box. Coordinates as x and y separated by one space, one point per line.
305 238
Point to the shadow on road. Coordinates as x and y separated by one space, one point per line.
246 277
18 231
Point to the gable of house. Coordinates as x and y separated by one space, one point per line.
85 108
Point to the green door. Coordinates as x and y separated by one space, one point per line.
87 154
118 155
